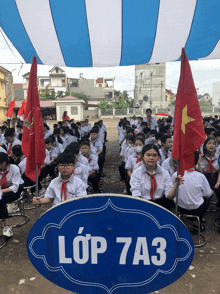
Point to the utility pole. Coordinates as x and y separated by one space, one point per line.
151 75
161 92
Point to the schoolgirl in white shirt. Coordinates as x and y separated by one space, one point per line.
209 166
66 186
152 182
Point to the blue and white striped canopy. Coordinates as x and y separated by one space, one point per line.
85 33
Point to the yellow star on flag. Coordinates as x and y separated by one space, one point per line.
185 119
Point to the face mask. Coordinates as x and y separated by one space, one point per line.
138 149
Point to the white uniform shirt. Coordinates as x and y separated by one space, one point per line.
13 177
22 165
126 152
205 164
57 150
15 142
47 158
97 144
81 171
192 191
3 150
47 134
93 163
169 165
131 162
82 159
74 188
164 155
141 183
153 123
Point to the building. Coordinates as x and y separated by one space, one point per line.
150 85
57 82
216 94
73 106
18 91
6 91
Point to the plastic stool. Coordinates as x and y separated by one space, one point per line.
201 236
27 197
21 213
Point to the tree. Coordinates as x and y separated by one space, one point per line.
80 95
122 102
104 105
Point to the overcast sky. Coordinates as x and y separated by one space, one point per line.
205 73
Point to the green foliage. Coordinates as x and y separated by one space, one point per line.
80 96
122 102
103 104
173 102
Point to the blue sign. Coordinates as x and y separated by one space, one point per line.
110 244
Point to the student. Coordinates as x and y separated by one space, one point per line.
210 132
165 151
152 182
93 166
170 164
66 186
64 136
151 139
57 148
217 139
151 121
47 131
11 187
10 139
209 166
191 193
133 160
75 130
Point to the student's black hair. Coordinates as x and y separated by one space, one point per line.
55 126
3 128
209 130
140 135
146 130
69 131
73 148
153 132
196 156
143 123
83 143
48 140
164 138
217 134
4 157
138 139
65 157
140 118
46 126
94 130
78 123
52 137
9 132
149 147
162 128
64 129
159 136
60 123
16 149
205 143
130 137
75 128
20 136
19 126
148 109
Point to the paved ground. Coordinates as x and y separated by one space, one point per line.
18 276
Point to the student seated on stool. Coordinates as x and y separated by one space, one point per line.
66 186
11 187
191 193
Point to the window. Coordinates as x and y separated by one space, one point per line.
74 110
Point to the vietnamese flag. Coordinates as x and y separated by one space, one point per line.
189 132
21 110
11 108
33 145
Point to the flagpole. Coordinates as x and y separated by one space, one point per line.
36 191
177 189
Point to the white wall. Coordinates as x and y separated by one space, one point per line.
71 111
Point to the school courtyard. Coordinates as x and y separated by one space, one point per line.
18 276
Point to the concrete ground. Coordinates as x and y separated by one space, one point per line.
18 276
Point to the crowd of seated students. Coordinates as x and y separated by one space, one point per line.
75 156
149 171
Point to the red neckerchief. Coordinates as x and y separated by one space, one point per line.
4 181
89 160
175 168
153 185
190 169
63 190
73 172
139 159
9 150
93 143
210 168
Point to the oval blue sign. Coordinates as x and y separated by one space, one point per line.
110 243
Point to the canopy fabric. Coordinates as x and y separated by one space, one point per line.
86 33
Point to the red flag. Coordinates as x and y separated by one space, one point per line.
33 145
189 132
11 108
21 110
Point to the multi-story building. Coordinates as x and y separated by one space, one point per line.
59 83
6 91
150 85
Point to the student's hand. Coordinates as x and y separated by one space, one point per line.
200 158
181 180
36 200
217 185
